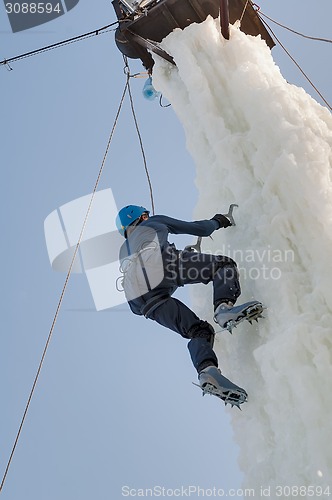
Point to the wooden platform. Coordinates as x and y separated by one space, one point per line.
158 19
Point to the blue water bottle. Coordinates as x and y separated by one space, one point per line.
149 91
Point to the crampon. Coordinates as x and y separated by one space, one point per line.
251 311
211 381
234 398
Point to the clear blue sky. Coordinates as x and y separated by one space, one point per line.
114 405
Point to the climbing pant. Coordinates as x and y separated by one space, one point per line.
183 268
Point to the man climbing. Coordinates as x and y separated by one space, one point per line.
153 269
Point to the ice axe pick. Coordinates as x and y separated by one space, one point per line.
197 246
229 215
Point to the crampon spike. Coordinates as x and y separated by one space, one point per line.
227 398
229 327
252 313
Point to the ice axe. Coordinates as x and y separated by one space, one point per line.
229 215
197 247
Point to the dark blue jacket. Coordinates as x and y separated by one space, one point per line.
162 225
150 262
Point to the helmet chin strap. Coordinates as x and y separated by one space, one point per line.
133 225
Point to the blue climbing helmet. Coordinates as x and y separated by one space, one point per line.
127 216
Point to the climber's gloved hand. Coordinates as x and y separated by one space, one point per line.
222 220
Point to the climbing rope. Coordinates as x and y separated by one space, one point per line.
293 31
69 41
127 72
243 12
64 288
295 62
126 88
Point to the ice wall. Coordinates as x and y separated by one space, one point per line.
265 144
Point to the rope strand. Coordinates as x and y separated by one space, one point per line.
126 69
296 64
244 9
63 290
296 32
53 46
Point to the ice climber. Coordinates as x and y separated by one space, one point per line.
153 269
